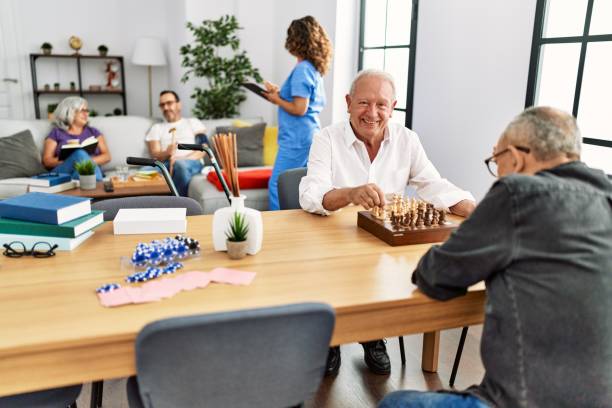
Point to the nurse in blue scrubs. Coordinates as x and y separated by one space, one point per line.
300 99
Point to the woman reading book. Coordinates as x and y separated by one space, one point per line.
73 140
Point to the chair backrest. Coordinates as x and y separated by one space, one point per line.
269 357
112 206
288 188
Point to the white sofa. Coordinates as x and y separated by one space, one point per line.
125 137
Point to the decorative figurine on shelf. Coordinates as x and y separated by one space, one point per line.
112 70
103 50
47 87
56 86
75 43
46 48
72 86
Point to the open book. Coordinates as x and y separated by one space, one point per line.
90 144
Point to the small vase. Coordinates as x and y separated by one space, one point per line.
221 224
236 250
87 182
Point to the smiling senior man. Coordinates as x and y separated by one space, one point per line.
360 161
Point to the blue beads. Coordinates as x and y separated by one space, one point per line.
159 257
109 287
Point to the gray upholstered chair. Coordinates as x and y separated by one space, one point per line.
112 206
269 357
54 398
288 188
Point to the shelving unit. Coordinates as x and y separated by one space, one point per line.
79 83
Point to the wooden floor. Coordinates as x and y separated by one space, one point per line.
355 386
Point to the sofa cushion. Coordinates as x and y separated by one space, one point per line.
211 199
247 179
19 156
249 142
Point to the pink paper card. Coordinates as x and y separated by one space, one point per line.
116 297
231 276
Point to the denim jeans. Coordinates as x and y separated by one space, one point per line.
420 399
184 170
68 165
286 159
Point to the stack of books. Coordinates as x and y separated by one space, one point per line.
41 217
45 183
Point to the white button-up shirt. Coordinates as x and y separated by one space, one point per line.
338 159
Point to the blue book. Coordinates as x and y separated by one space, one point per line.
45 208
50 179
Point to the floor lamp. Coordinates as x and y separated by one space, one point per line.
150 52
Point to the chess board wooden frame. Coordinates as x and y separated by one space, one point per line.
405 236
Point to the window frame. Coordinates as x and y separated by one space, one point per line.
536 46
411 53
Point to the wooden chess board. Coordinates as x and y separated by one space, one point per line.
395 236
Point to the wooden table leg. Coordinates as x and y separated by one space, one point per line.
431 347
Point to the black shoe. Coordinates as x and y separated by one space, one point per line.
376 357
333 361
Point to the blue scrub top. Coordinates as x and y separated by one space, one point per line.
305 82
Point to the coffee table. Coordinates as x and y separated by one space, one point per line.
99 193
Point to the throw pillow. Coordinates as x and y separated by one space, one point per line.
19 156
247 179
249 141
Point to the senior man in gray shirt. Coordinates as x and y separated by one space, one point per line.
541 239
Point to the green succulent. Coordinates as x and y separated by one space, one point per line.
85 167
238 228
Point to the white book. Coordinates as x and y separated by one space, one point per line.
150 221
63 244
55 189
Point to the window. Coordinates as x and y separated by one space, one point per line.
571 65
387 41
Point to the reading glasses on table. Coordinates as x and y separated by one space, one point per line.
17 249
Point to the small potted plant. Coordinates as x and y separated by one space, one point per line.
93 113
50 110
237 236
56 86
46 48
103 49
87 174
117 112
47 87
72 86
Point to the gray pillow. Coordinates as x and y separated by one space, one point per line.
19 156
250 143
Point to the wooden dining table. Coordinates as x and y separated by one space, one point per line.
54 331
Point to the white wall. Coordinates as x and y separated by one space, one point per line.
471 78
115 23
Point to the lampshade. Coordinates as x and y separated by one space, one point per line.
148 51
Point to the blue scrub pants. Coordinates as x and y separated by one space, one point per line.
68 165
286 159
419 399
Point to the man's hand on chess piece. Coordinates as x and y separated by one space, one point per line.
463 208
368 196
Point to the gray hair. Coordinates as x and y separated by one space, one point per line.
547 131
65 111
373 73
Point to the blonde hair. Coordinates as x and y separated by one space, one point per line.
308 40
65 111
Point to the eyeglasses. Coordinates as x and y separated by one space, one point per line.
492 163
169 103
18 249
85 110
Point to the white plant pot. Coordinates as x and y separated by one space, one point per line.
221 221
87 182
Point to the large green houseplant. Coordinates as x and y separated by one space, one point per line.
215 55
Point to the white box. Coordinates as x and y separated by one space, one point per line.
150 221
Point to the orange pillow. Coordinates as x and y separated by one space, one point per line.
247 179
